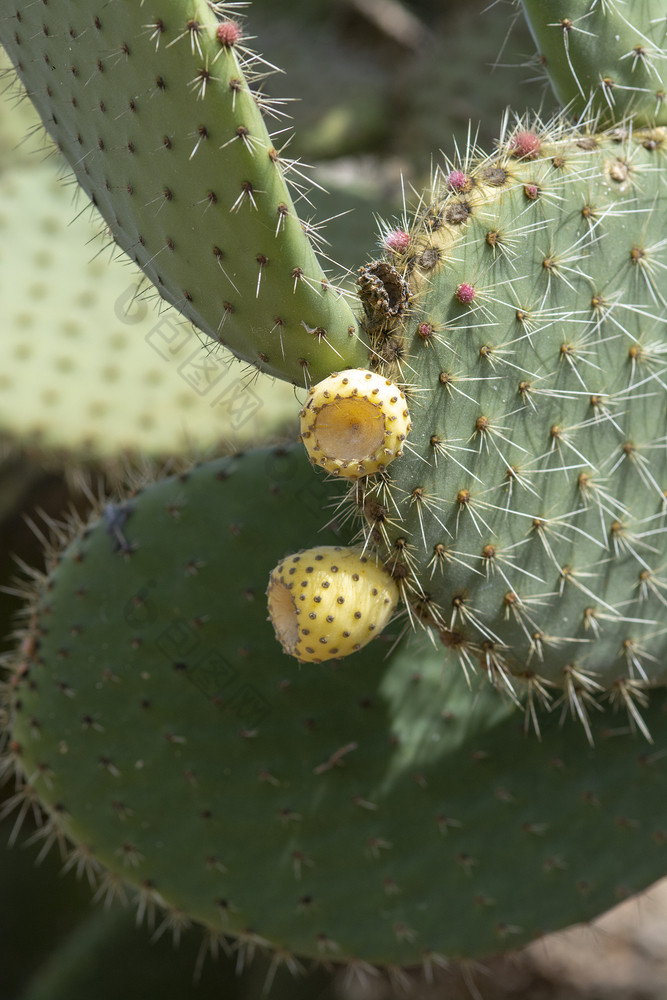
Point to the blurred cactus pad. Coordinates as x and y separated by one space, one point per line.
391 808
89 369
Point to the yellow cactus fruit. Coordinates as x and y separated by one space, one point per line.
354 423
328 602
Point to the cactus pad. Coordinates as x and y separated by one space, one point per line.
157 118
525 520
371 810
87 366
606 59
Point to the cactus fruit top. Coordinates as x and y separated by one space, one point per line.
157 116
328 602
354 423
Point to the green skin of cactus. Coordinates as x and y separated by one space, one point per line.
164 133
606 60
330 811
339 811
526 519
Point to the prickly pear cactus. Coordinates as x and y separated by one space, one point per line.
342 809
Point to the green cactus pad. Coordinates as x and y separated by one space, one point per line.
373 810
525 520
88 367
154 114
606 59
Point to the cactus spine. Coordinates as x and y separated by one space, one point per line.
607 60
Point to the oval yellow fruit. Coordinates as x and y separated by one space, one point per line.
328 602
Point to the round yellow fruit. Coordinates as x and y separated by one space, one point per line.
354 423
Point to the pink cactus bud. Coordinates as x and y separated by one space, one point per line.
228 33
465 293
397 240
458 181
525 145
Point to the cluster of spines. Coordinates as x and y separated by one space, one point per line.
529 156
604 58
